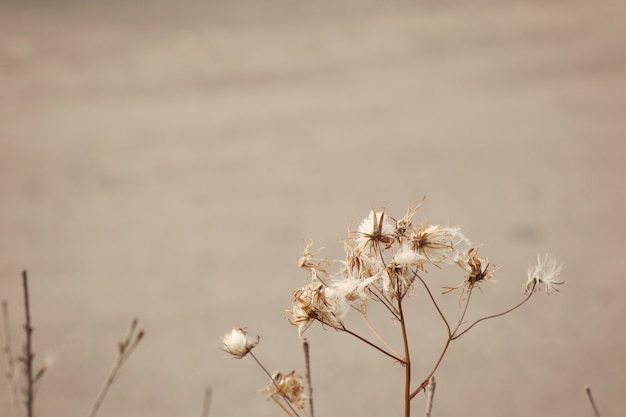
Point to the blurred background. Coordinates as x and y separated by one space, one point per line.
167 161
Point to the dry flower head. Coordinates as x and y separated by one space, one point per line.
237 342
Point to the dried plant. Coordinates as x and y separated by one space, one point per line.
386 262
32 378
124 349
9 360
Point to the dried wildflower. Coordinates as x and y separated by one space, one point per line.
289 387
328 304
478 269
543 274
438 244
237 342
308 260
349 292
407 257
374 229
404 224
311 303
401 270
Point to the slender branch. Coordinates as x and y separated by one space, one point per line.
9 360
307 362
282 406
362 339
125 348
469 296
386 303
432 298
593 403
432 373
373 329
28 355
456 336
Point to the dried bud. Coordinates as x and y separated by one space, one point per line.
289 387
237 343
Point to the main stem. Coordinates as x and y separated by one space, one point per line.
407 363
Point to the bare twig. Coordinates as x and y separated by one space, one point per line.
207 401
593 403
125 348
307 362
430 395
28 355
9 360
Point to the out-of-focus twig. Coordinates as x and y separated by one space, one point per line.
207 401
593 403
27 354
9 360
125 348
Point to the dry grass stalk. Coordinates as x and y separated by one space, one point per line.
206 403
125 349
28 355
9 360
593 403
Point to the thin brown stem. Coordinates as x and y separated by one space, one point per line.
407 362
460 322
362 339
382 340
432 298
28 355
432 373
282 407
456 336
386 303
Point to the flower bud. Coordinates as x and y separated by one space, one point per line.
237 343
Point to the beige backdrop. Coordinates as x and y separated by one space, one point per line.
166 160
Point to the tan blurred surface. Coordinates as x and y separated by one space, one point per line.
166 161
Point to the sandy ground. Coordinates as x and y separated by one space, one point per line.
166 161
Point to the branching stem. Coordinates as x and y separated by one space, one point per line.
456 336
